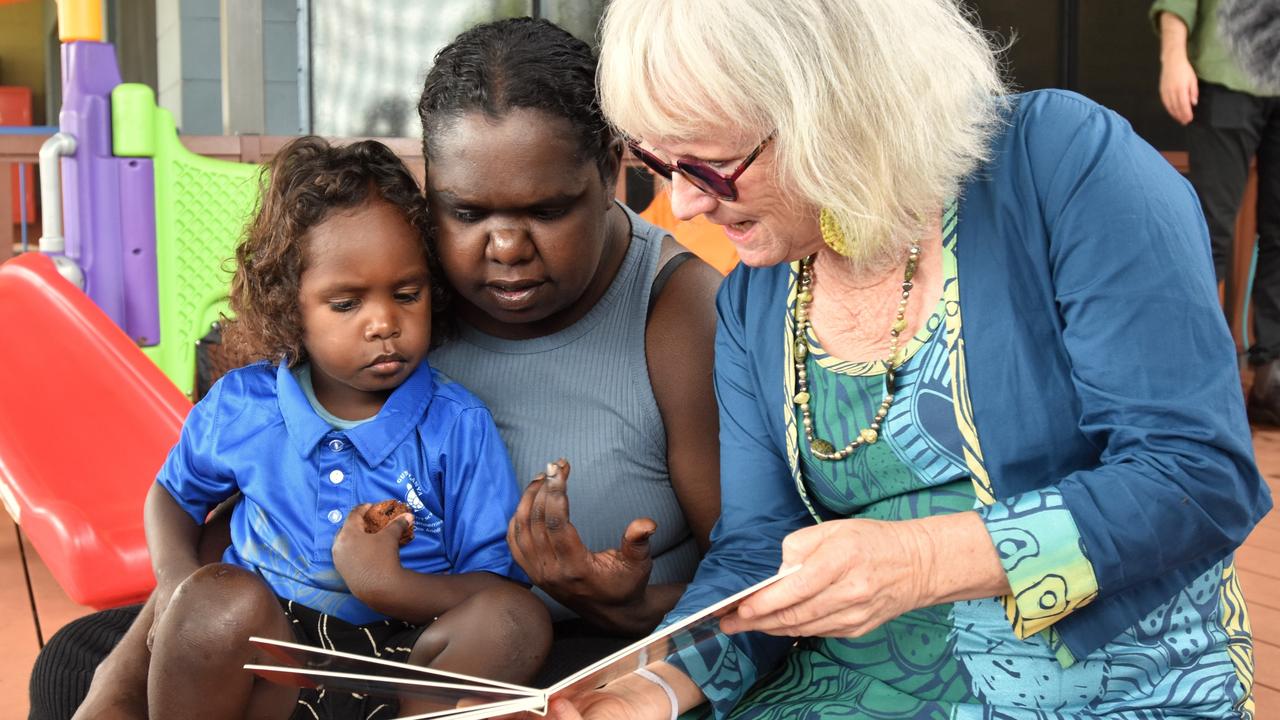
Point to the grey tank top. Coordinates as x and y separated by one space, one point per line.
583 394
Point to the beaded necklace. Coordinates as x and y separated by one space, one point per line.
823 449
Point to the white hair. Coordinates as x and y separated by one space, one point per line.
882 107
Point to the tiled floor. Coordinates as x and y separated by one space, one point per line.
1258 563
18 646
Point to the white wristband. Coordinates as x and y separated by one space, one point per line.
656 679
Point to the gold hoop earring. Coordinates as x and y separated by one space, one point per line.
832 235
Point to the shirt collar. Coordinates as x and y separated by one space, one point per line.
374 440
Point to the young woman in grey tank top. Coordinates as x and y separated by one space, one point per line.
558 334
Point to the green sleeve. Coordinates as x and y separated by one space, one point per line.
1185 9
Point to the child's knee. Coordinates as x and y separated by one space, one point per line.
507 619
516 611
221 604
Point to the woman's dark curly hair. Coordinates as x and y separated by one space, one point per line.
305 182
518 63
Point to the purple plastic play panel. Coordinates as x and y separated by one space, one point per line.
108 204
138 231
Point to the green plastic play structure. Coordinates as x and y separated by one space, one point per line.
202 206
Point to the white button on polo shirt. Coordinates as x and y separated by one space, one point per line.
336 477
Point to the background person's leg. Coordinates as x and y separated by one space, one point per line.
1264 399
1221 141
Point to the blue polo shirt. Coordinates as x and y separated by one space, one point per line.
433 445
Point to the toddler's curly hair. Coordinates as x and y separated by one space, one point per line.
305 182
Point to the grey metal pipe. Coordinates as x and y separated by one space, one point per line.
51 153
51 240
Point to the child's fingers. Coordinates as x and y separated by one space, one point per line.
403 521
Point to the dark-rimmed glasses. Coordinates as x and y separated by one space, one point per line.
702 175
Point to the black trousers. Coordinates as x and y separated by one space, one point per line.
1229 129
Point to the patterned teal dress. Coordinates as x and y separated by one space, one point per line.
996 657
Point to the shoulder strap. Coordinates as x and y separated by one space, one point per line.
664 274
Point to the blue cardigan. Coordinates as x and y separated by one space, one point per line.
1098 363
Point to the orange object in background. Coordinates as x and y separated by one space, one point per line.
86 420
704 238
15 109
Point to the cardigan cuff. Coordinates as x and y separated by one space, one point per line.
718 668
1044 558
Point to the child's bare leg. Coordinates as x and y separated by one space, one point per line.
119 687
503 633
202 643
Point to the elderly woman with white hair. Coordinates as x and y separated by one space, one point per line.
972 378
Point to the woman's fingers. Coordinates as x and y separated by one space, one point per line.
634 547
855 575
551 532
814 549
552 505
518 528
543 540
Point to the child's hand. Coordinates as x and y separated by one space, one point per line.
362 558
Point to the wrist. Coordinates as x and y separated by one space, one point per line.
923 548
369 583
957 559
627 617
672 701
657 691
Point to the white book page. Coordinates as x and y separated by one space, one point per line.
660 644
464 697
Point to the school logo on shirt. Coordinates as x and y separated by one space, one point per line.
424 519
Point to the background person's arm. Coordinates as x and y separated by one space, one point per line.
1179 87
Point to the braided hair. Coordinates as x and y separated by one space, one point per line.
505 65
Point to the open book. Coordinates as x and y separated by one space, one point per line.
425 693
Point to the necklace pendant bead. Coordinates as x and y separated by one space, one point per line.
802 348
801 398
821 447
869 436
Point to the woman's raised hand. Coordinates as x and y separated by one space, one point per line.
548 548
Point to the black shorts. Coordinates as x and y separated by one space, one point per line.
386 639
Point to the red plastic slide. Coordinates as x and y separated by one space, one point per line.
86 420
